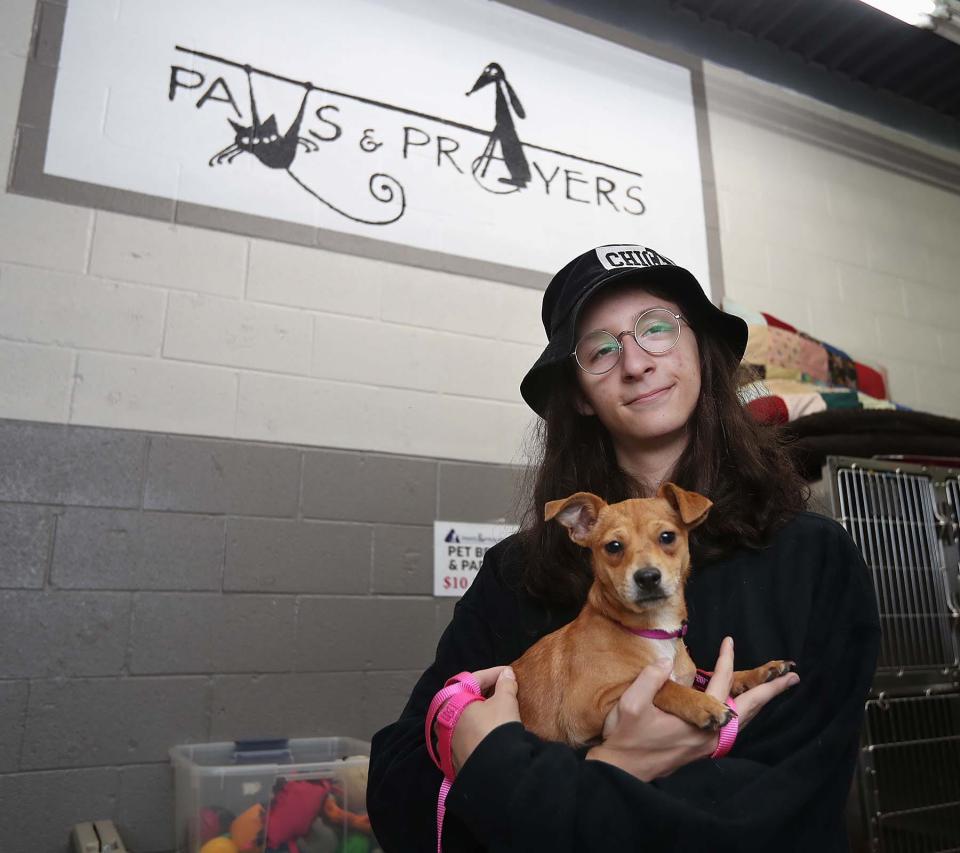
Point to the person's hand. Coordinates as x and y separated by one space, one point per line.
478 719
750 701
647 743
643 740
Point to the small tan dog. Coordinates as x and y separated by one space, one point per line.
571 679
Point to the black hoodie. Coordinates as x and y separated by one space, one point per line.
806 596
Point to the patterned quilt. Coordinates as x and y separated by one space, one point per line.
799 375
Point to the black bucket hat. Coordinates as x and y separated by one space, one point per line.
570 288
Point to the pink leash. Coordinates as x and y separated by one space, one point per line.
462 689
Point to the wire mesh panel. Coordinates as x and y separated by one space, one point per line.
911 764
903 518
952 489
891 517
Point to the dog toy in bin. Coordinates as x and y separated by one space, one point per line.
352 778
220 844
246 831
355 844
213 822
338 816
293 810
320 839
303 816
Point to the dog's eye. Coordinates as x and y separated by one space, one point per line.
613 547
668 537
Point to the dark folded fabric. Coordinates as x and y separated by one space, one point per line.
869 432
875 421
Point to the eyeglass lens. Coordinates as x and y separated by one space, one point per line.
656 331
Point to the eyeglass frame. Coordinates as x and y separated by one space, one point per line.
682 321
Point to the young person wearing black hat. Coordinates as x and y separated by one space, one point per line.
637 386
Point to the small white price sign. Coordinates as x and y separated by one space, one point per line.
458 551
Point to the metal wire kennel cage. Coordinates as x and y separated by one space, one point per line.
904 518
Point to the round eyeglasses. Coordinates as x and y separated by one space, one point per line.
657 330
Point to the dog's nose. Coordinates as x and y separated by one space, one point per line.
647 578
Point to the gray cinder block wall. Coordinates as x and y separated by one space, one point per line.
157 590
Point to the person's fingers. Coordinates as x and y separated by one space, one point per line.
487 678
722 678
645 686
751 701
502 703
506 687
610 723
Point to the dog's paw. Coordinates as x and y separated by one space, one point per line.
776 668
743 681
713 714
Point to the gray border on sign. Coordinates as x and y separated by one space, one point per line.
26 175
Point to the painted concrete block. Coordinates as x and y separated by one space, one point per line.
233 333
36 382
130 248
131 392
45 307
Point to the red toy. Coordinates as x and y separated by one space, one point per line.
293 810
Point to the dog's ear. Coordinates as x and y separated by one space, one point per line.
578 513
692 507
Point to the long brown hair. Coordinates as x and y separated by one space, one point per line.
742 466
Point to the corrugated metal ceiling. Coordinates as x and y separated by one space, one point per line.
849 38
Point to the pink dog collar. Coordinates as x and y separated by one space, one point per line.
461 690
657 633
728 734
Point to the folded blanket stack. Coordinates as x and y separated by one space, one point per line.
830 403
800 375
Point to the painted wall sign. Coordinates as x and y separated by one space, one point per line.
468 128
458 551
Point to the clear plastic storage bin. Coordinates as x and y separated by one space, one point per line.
307 795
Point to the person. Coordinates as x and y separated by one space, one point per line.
637 386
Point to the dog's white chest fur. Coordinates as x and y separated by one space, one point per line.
665 649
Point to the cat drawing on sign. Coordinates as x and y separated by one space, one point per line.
263 139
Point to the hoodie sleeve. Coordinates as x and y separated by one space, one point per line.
783 787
